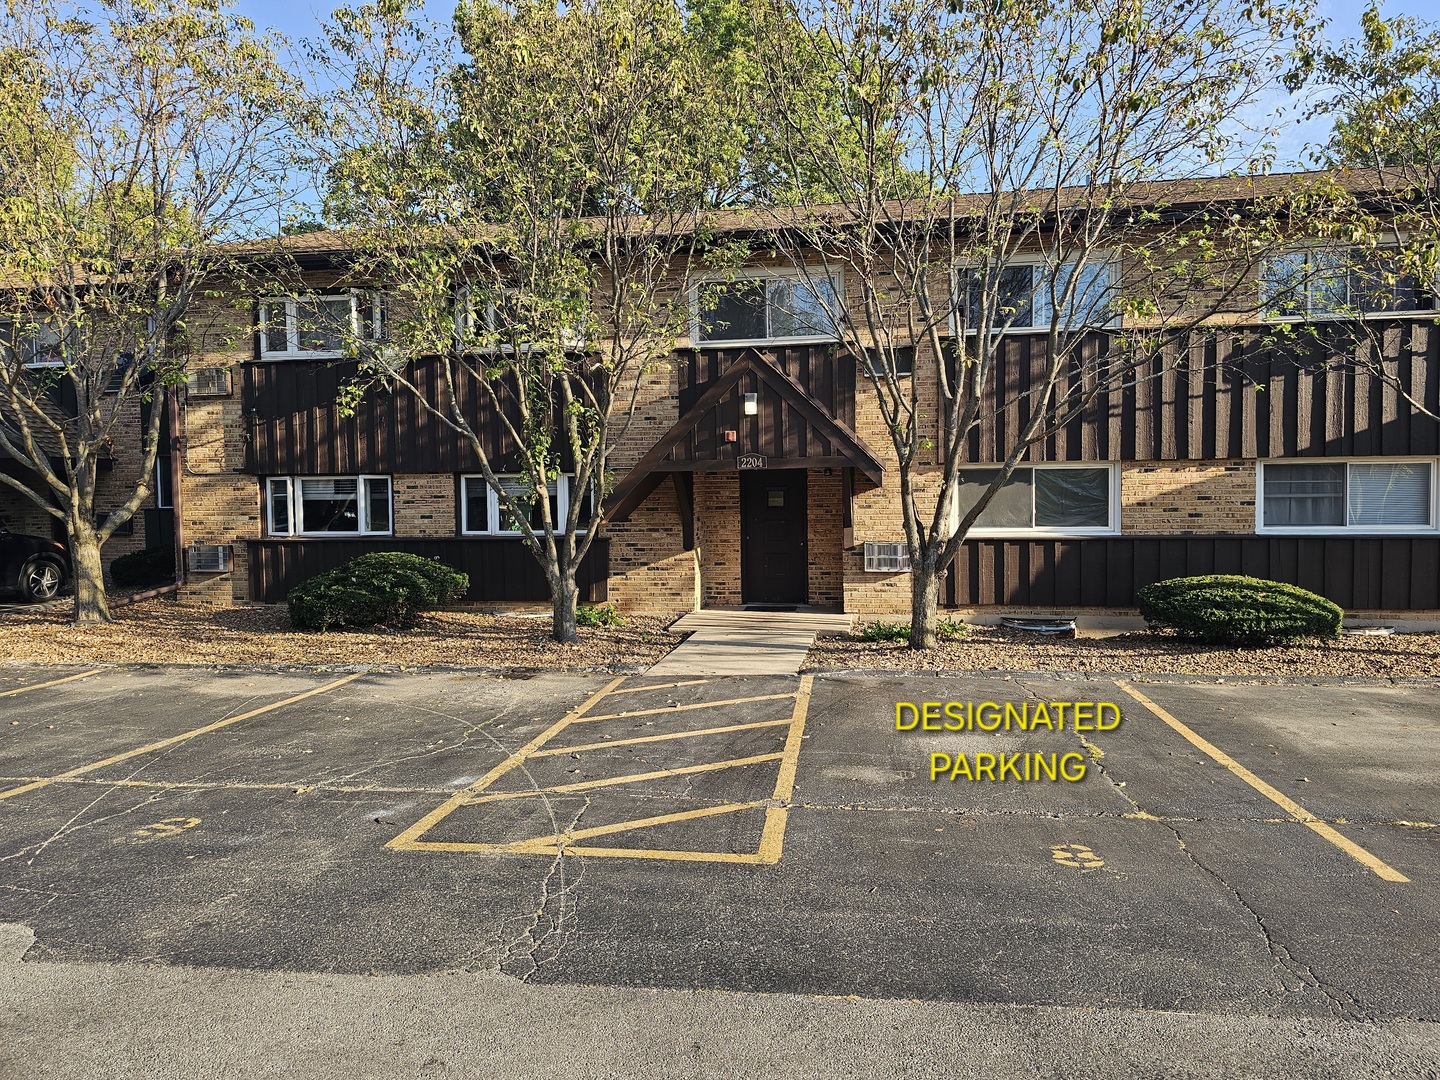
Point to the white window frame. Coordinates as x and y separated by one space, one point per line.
958 275
29 347
1310 315
359 301
563 484
292 505
837 282
465 320
162 466
1347 529
980 532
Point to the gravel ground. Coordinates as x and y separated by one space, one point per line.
1406 656
162 631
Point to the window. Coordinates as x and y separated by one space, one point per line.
1323 496
326 505
503 324
1324 283
482 514
316 326
36 345
164 495
902 356
782 308
1043 499
1023 296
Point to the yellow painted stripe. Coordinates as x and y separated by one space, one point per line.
772 837
174 739
657 686
462 848
52 682
407 838
22 789
686 708
631 778
657 738
1279 798
562 839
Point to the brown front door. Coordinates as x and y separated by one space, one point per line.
773 564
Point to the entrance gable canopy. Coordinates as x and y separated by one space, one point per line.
789 430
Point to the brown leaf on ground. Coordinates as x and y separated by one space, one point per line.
166 632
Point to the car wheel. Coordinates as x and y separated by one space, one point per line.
41 580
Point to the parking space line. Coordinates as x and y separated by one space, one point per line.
52 682
775 818
658 686
1290 806
628 778
684 708
667 737
174 739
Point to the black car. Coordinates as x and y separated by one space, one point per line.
33 566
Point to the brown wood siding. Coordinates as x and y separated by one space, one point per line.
1245 393
294 427
778 431
501 570
1358 573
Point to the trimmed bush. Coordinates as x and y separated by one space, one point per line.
384 587
153 566
945 630
1228 609
598 615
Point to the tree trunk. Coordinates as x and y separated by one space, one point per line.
566 596
91 604
924 604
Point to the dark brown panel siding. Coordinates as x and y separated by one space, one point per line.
294 427
500 570
1359 573
1240 393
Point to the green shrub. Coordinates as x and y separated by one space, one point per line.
598 615
387 587
1227 609
945 630
153 566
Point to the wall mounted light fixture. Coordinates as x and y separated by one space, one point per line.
752 404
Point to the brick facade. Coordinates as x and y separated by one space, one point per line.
1192 497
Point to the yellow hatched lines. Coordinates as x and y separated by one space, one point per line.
565 842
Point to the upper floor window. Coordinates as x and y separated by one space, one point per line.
775 307
1025 294
501 324
1322 283
35 345
482 514
327 505
1325 496
877 363
316 326
1069 500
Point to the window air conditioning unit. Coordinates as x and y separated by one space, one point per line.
887 559
209 382
208 558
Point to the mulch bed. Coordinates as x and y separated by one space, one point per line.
163 631
997 649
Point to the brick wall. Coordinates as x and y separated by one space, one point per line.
717 535
424 504
1206 497
650 571
826 524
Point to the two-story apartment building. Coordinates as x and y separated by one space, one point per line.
758 469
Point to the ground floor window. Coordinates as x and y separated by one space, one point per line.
328 505
1041 500
1324 496
482 514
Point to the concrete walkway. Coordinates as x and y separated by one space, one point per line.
746 642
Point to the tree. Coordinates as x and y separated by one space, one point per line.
1381 232
997 173
530 261
134 137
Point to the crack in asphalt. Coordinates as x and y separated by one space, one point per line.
1341 1004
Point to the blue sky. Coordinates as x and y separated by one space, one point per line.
301 18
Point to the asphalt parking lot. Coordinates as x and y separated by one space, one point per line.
775 835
